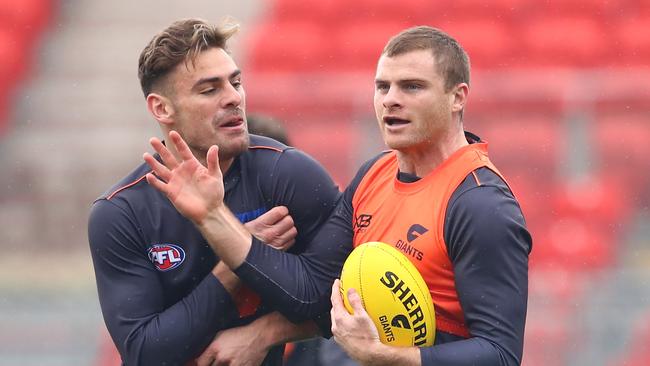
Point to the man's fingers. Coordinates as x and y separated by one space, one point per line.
181 146
205 359
167 157
337 304
274 215
282 233
285 224
355 301
337 300
158 168
212 160
157 183
287 239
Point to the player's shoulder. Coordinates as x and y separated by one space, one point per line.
483 183
481 193
131 188
376 161
266 145
363 171
266 154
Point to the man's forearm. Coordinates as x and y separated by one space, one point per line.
275 329
226 235
385 355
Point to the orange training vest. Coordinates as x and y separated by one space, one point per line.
411 217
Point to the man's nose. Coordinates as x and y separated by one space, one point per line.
392 98
232 96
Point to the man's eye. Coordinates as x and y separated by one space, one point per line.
236 84
208 91
382 87
413 87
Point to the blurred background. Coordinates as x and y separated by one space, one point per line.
560 90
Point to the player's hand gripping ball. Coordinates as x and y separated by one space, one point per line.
393 293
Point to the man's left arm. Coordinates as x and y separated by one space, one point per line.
301 184
488 244
233 346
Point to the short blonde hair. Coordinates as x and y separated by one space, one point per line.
451 59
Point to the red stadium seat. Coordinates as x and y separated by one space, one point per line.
597 199
359 45
474 34
409 12
295 10
528 142
28 16
633 40
564 41
621 145
640 6
533 195
333 13
574 244
336 153
14 56
500 11
544 342
591 8
4 113
295 46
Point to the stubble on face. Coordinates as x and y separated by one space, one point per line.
409 87
203 119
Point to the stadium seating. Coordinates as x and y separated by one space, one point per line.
355 50
609 134
296 46
633 40
13 53
564 41
21 24
499 52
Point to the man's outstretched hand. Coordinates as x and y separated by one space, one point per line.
193 189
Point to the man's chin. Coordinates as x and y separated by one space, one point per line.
234 147
397 144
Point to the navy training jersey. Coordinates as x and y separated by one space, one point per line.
486 241
160 302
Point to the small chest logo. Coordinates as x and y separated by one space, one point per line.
414 232
361 222
166 256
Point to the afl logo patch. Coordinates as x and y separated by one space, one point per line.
166 256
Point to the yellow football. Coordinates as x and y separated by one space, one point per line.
393 293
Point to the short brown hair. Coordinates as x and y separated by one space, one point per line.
452 61
182 41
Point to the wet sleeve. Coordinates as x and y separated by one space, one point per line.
299 286
488 244
302 185
131 297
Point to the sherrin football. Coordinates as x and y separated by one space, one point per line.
393 293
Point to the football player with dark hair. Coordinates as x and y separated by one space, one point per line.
164 294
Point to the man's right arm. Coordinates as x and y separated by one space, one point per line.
132 302
297 286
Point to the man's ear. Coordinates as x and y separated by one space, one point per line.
160 108
459 97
